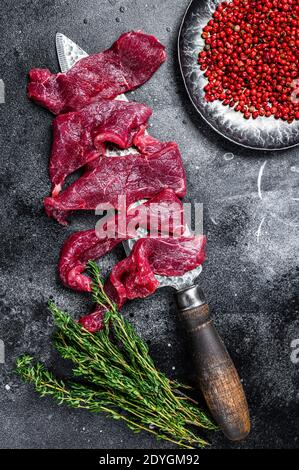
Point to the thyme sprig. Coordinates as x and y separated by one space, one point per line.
117 376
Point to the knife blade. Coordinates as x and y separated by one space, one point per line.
68 52
216 374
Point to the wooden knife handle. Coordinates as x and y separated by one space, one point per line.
216 374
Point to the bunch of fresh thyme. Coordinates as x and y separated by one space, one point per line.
117 376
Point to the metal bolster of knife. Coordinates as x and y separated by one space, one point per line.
190 297
194 311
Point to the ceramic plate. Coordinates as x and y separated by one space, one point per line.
262 133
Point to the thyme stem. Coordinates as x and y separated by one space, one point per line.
117 375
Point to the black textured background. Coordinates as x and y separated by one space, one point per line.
249 276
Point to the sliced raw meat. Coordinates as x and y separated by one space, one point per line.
94 321
134 277
162 211
132 176
78 137
146 143
129 63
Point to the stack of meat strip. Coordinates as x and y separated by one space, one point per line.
88 119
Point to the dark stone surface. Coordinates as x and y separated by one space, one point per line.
250 279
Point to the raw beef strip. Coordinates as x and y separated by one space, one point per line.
129 63
134 277
78 137
146 143
134 176
79 248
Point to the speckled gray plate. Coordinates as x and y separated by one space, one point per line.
262 133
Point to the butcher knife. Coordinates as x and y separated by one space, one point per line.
216 374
